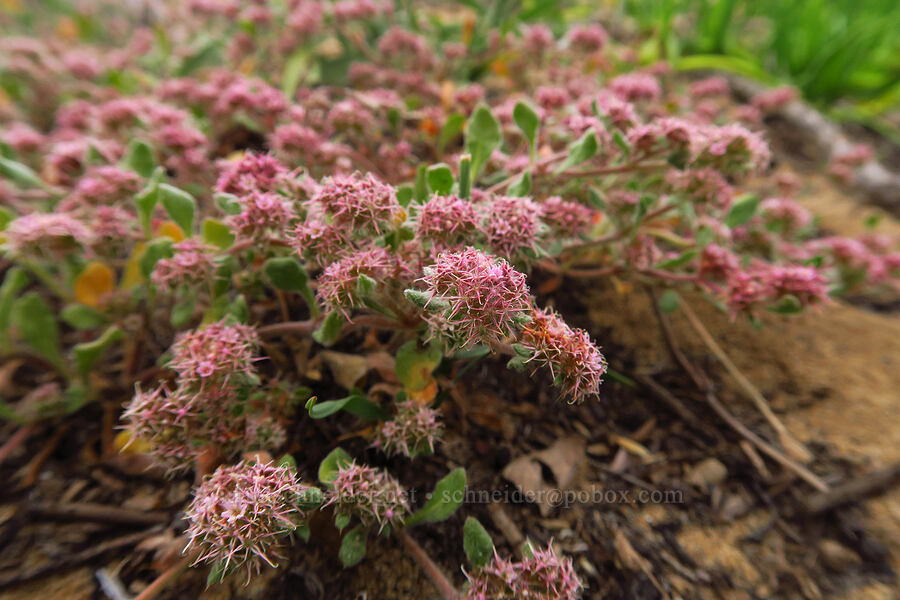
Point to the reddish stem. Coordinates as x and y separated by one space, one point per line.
440 581
14 441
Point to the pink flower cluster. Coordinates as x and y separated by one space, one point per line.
566 217
214 354
47 235
542 576
262 214
485 297
764 283
445 222
414 430
241 514
191 264
512 225
252 173
340 281
369 494
575 363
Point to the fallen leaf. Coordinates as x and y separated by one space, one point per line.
563 458
525 473
94 284
707 473
347 369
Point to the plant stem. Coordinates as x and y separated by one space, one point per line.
440 581
160 583
790 443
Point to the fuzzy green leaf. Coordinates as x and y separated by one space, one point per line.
447 496
87 353
36 324
180 205
440 179
353 546
477 543
528 121
329 466
482 137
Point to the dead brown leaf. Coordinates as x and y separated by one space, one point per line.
347 369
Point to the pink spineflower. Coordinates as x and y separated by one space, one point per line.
320 242
215 353
468 96
414 430
339 282
170 422
359 202
733 148
541 576
854 156
711 86
551 97
575 363
512 225
704 186
718 263
253 172
47 235
241 514
192 263
565 216
368 493
537 38
748 114
486 298
105 184
262 213
620 113
774 99
114 228
348 10
805 283
636 86
748 289
786 213
22 138
306 17
446 221
399 43
350 114
252 96
587 38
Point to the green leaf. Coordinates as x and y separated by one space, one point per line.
19 173
36 324
404 195
786 305
207 54
353 546
180 205
415 364
16 278
356 404
288 460
452 127
521 186
482 138
341 520
447 496
139 158
228 203
183 310
81 316
579 151
216 573
294 68
287 274
86 354
680 260
420 185
310 498
6 218
328 332
303 531
465 176
155 250
329 466
742 210
669 301
528 121
147 198
620 141
440 179
217 233
477 543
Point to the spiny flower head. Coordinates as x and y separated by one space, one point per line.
565 216
47 235
261 213
413 430
774 99
588 38
512 226
575 363
446 221
805 283
320 241
717 262
785 213
486 298
215 353
636 86
339 282
747 289
358 201
368 493
252 173
190 264
733 148
711 86
541 576
240 515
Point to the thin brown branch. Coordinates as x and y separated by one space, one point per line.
15 440
100 513
166 577
440 581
